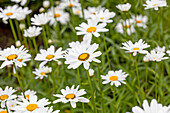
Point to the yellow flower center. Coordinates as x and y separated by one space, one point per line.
70 96
91 29
102 18
57 15
20 60
42 73
70 5
126 26
50 57
155 4
9 14
32 107
3 111
154 58
113 78
27 96
3 97
94 13
135 49
78 12
83 57
138 21
11 57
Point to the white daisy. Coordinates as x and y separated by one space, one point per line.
32 31
40 19
127 26
49 55
156 56
71 95
91 28
22 2
6 95
104 16
140 20
10 105
42 72
21 13
14 55
124 7
78 11
31 106
153 108
8 13
27 94
116 78
135 48
81 53
48 110
155 4
160 49
70 3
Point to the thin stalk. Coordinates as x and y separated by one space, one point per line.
30 44
78 76
146 76
114 99
106 51
82 8
28 21
92 93
18 30
6 107
25 41
136 60
47 30
13 30
51 2
155 83
35 44
45 38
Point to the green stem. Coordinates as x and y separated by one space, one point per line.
114 99
106 51
45 38
18 30
28 21
6 107
78 76
13 30
146 75
155 82
35 44
136 60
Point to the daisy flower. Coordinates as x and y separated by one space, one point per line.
27 94
8 13
78 11
21 13
154 107
32 31
156 56
71 95
155 4
32 105
91 28
14 55
6 95
116 78
49 55
124 7
10 105
42 72
160 49
81 53
135 48
48 110
125 26
104 16
40 19
22 2
140 20
70 3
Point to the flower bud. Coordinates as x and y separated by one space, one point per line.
41 10
59 63
46 4
91 72
18 43
22 26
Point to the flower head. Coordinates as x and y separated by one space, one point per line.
155 4
22 2
42 72
40 19
140 20
32 31
27 94
124 7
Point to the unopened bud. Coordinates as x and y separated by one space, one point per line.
91 72
22 26
59 63
50 41
41 10
18 43
46 4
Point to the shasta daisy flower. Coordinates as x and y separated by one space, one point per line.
78 11
124 7
153 108
42 72
40 19
14 55
135 48
81 53
116 78
140 20
32 105
21 13
160 49
127 26
22 2
155 4
27 94
6 95
32 31
71 95
49 55
10 105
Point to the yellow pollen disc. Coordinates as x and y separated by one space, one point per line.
42 73
11 57
94 13
57 15
154 58
126 26
70 96
20 60
91 29
77 12
70 5
83 57
102 18
32 107
3 97
50 57
138 21
135 49
9 14
113 78
27 96
3 111
155 4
